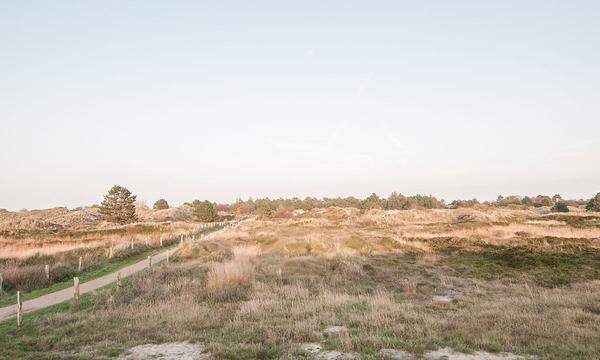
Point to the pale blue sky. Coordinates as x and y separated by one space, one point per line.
226 99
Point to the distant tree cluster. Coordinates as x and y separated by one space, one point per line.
282 207
119 206
455 204
554 202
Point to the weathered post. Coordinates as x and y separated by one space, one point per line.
1 281
149 261
119 285
110 252
75 292
181 241
131 243
80 263
161 241
47 271
19 309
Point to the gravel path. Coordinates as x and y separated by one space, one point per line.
67 294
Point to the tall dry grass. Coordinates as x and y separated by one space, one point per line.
231 278
49 244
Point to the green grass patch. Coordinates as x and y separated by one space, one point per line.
545 267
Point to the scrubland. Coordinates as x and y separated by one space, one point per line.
494 280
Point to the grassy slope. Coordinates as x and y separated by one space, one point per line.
524 299
107 267
103 269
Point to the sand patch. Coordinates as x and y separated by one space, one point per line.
168 351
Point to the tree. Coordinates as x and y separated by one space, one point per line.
265 207
395 201
118 206
372 202
560 207
204 211
594 203
556 198
161 204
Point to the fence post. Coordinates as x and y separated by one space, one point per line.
110 252
181 241
119 285
168 255
1 281
47 271
161 240
149 261
75 292
131 243
19 309
79 265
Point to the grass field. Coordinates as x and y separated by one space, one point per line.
497 280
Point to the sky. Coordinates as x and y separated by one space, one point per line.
217 100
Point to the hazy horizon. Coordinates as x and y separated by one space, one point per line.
220 100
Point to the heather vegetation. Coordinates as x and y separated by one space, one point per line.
355 284
354 278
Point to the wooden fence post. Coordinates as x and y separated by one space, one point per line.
119 285
149 261
181 241
75 292
47 271
1 281
110 252
19 309
161 241
131 243
79 265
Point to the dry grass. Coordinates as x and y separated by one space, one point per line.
147 234
262 289
235 272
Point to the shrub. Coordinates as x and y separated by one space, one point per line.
594 203
265 207
118 206
25 278
560 207
527 201
204 211
161 204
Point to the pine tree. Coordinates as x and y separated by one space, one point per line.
118 206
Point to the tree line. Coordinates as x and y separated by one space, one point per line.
118 205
